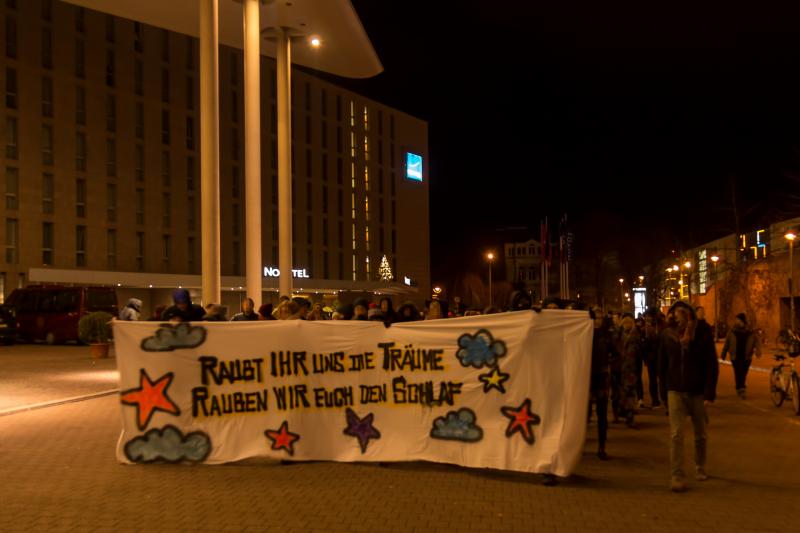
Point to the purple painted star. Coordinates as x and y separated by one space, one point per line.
361 428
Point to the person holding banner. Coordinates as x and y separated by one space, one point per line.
602 347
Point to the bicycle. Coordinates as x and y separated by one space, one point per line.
783 384
789 341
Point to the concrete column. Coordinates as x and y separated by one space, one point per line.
284 80
209 149
252 150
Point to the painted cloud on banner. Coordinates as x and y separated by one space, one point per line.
457 425
168 445
169 337
479 350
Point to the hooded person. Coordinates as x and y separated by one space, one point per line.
408 312
691 377
183 309
389 316
520 301
132 310
360 309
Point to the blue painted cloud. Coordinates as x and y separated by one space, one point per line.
169 337
479 350
457 425
168 445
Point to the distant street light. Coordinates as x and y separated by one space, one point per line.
490 257
315 42
714 261
621 297
790 236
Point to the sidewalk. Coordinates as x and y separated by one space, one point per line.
60 474
32 374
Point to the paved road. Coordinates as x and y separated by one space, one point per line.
32 374
59 473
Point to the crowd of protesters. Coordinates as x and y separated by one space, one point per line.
676 349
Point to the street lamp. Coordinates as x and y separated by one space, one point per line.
790 236
621 297
490 257
714 260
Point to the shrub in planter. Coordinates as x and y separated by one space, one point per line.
94 328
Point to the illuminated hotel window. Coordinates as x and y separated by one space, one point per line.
12 151
80 151
11 88
80 246
166 210
47 144
80 198
80 59
139 162
138 77
111 202
139 120
190 213
190 254
47 193
166 251
80 106
166 175
47 97
11 37
139 250
12 188
111 157
111 249
139 213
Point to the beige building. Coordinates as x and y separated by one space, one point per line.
101 166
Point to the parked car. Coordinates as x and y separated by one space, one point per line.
51 313
8 325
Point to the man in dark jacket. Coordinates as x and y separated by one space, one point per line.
692 372
248 311
602 348
652 332
741 343
183 310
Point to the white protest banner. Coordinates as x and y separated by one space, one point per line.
506 391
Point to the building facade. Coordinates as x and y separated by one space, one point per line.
101 166
523 261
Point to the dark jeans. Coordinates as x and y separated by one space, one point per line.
599 395
652 377
741 365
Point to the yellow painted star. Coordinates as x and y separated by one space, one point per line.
494 380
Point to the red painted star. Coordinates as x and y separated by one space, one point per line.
282 439
521 420
150 397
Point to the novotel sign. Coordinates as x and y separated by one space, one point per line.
274 272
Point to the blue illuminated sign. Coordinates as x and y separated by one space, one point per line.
413 166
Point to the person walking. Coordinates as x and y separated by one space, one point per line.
652 331
741 343
692 384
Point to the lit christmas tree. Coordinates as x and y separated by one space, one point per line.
384 270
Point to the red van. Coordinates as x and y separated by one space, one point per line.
50 313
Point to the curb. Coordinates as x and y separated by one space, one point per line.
54 403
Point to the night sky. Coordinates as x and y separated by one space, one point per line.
637 119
